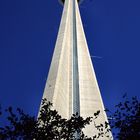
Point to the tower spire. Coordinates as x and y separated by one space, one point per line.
71 85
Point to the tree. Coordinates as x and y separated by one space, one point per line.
49 125
126 119
125 122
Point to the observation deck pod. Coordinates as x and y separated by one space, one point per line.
62 1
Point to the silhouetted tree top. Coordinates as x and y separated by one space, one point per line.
49 125
125 121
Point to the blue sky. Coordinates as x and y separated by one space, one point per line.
28 31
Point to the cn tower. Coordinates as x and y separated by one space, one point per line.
71 84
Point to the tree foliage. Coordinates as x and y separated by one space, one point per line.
126 119
125 122
49 125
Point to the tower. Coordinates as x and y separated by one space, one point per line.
71 85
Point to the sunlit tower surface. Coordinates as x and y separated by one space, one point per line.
71 85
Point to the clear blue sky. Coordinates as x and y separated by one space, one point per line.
28 31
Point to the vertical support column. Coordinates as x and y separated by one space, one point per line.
76 101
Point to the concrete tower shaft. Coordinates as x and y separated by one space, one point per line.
71 85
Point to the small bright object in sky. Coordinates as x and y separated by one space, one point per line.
96 56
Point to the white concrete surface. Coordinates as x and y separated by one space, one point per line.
71 85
